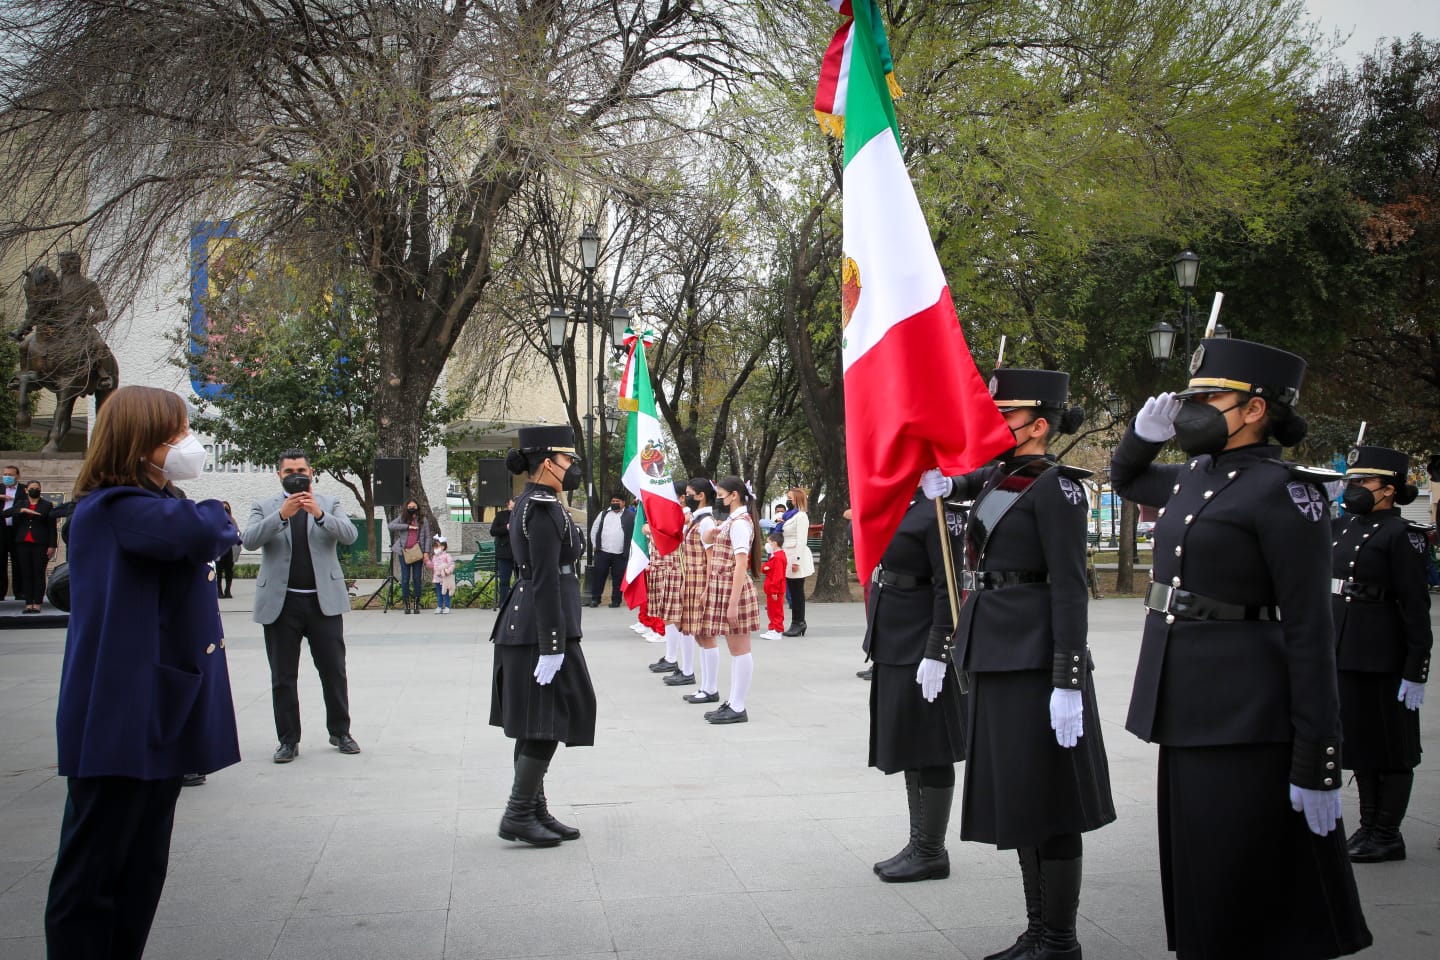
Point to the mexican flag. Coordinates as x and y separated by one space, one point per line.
913 398
646 475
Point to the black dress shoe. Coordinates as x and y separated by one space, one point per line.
286 752
679 679
867 674
614 605
796 630
345 743
662 666
727 714
700 696
192 779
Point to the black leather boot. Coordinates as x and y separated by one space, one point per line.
519 822
1368 785
1030 876
928 859
912 800
542 814
1392 798
1059 903
797 629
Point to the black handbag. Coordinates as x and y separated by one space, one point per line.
57 588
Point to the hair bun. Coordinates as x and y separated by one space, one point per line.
1406 493
1071 420
515 461
1288 431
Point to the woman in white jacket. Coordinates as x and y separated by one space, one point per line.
798 556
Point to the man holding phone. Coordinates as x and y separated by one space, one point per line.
300 592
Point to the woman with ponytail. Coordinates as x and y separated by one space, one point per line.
694 565
1236 675
731 606
1381 606
1036 773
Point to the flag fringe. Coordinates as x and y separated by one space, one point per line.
628 404
895 92
831 125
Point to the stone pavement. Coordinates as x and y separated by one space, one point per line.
747 842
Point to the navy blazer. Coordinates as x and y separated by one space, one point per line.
144 690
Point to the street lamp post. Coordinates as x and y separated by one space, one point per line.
589 258
1117 408
1187 271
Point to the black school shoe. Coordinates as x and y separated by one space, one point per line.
678 679
699 696
662 666
286 752
727 714
345 743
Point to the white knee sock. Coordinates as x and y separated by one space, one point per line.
687 651
742 668
710 667
672 642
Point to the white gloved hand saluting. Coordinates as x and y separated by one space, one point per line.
1321 808
1067 716
931 677
1155 423
935 484
548 666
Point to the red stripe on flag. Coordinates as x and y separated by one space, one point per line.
829 85
913 401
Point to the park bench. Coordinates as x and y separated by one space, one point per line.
478 571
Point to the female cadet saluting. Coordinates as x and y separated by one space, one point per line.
1236 676
1036 774
542 693
1381 607
908 621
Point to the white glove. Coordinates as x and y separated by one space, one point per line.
1321 808
1411 694
931 677
1067 716
548 666
935 484
1155 423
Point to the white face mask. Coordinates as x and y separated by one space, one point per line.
186 459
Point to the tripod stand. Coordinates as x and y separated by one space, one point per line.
390 583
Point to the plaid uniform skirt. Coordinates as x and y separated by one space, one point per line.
694 558
663 586
720 585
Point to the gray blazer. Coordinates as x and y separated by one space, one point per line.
265 531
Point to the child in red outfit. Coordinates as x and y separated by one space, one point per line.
774 570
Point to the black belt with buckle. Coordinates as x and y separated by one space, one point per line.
995 579
1350 590
894 578
1184 605
566 569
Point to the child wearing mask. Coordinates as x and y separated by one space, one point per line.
442 569
774 569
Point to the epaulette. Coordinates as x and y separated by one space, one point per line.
1318 475
539 497
1419 526
1074 473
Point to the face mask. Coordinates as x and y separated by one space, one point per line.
1201 428
411 511
570 479
617 507
789 504
185 461
692 504
34 493
1014 431
1358 499
9 481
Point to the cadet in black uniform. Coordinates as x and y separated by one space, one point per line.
1236 676
1036 774
909 624
1381 606
542 693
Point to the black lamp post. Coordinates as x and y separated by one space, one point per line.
1116 406
1162 341
1187 271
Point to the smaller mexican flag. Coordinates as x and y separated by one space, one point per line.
646 475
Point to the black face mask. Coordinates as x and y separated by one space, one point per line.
789 504
570 479
1358 499
1201 428
411 511
1010 452
692 504
617 507
34 493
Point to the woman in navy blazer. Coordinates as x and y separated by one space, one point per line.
144 690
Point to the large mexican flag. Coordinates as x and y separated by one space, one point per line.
646 475
913 398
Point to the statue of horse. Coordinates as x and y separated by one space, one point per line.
60 350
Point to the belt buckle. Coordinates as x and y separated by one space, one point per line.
1166 593
1337 587
968 580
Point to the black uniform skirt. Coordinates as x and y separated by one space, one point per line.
906 731
1021 787
1380 734
562 710
1240 872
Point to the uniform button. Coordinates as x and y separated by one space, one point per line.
1363 537
1329 782
1074 669
1352 563
1179 549
210 649
1192 464
1162 512
1175 489
1329 751
1357 548
1231 474
1208 494
222 644
211 575
1169 618
512 626
1174 581
1348 599
1330 765
1074 683
1334 543
1188 518
1076 658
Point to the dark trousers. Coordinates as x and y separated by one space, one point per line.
410 583
7 544
114 851
30 562
301 617
224 573
504 573
607 566
796 586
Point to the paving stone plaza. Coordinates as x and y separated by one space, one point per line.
746 842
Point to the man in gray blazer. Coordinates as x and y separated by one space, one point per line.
300 592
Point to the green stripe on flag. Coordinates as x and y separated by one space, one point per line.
868 107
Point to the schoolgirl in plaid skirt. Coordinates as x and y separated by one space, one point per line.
731 607
694 557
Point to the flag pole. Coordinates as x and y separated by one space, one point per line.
946 552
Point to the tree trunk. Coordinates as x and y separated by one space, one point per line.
1125 577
